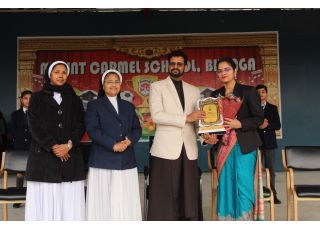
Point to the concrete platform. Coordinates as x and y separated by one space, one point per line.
308 210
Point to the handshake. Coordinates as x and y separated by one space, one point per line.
122 145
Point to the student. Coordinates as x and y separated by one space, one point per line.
20 132
267 132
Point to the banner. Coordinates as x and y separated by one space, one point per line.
87 67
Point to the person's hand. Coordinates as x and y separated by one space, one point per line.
264 124
232 123
65 157
119 147
210 138
127 142
61 151
196 115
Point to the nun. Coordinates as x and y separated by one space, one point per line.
55 170
114 128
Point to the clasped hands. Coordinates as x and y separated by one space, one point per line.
61 151
121 146
265 124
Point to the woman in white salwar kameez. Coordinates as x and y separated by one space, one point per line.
55 171
113 126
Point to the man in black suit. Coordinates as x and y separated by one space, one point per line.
267 133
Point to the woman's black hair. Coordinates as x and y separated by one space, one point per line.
229 60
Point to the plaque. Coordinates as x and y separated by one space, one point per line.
213 122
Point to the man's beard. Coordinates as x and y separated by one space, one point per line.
177 74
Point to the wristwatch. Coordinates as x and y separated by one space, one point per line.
69 144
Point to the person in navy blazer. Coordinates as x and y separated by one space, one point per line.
114 128
267 132
21 136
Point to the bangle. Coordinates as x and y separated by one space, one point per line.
69 144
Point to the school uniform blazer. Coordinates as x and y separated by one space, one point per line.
106 127
20 131
268 135
250 115
172 130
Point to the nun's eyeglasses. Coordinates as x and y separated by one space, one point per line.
113 82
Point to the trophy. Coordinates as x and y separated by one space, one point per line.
213 122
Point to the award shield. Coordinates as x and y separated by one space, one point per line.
213 122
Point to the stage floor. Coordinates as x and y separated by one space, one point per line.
308 210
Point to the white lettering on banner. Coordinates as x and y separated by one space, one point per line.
245 65
191 67
112 65
121 66
77 67
94 68
134 67
209 65
43 67
82 66
154 66
241 64
251 64
103 67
